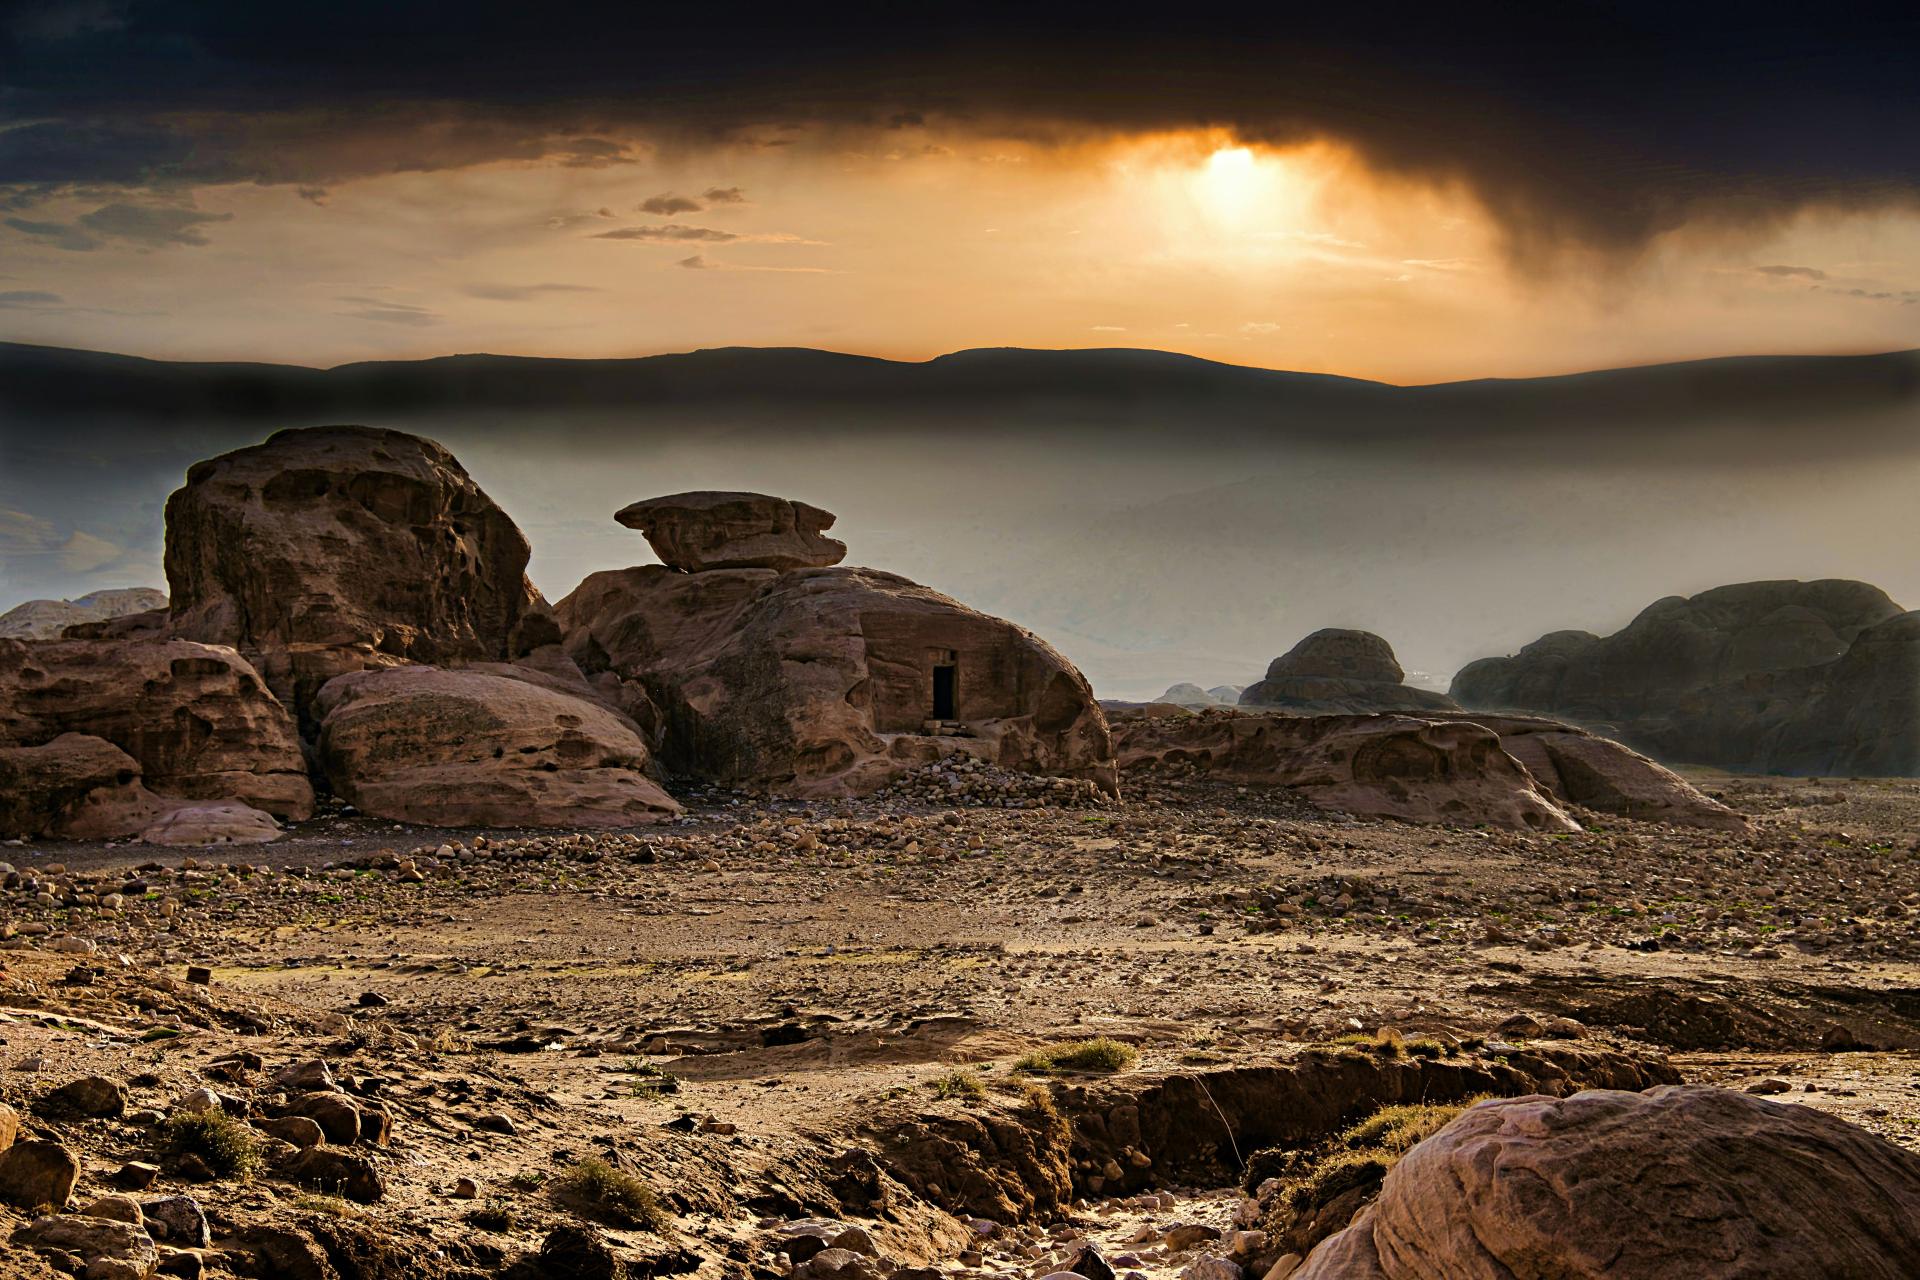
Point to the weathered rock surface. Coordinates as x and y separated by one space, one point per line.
75 787
1781 677
830 681
1334 672
46 619
473 748
332 549
1678 1181
1582 768
37 1175
1394 766
197 825
717 530
195 717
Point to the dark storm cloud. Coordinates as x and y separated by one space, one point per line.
697 262
1801 273
667 232
724 195
143 226
1589 123
28 298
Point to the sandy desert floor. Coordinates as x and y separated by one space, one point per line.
774 1010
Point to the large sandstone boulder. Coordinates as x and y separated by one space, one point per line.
1678 1181
715 530
195 717
474 748
47 619
1760 676
1389 766
332 549
1335 671
830 681
1581 768
75 787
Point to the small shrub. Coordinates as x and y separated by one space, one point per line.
1101 1055
616 1196
227 1145
959 1083
1396 1129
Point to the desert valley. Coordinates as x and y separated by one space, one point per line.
993 642
746 914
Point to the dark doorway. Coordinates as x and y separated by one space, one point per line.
943 687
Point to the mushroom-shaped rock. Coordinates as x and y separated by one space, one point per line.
195 717
718 530
332 549
1335 670
831 681
470 748
1678 1181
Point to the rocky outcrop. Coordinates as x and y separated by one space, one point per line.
474 748
1429 775
1187 695
1339 672
1780 677
333 549
714 530
47 619
196 718
829 681
1389 766
201 825
1678 1181
1580 768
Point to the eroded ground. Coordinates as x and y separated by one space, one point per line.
773 1012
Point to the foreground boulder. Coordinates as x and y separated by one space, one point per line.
332 549
1678 1181
715 530
196 718
1778 677
830 681
76 787
473 748
1335 672
1389 766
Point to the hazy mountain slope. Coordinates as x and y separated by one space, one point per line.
1154 510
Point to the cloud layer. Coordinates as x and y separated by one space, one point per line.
1577 124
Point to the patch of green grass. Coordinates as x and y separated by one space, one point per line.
1099 1055
331 1206
612 1195
1395 1129
650 1081
527 1180
227 1145
959 1083
1385 1041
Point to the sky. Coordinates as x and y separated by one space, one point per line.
1435 194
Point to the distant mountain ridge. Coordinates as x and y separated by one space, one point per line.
1755 390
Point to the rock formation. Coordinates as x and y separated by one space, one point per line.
1781 677
1677 1181
332 549
47 619
1388 766
828 681
1188 695
195 717
1511 771
1580 768
78 787
472 748
713 530
1335 672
